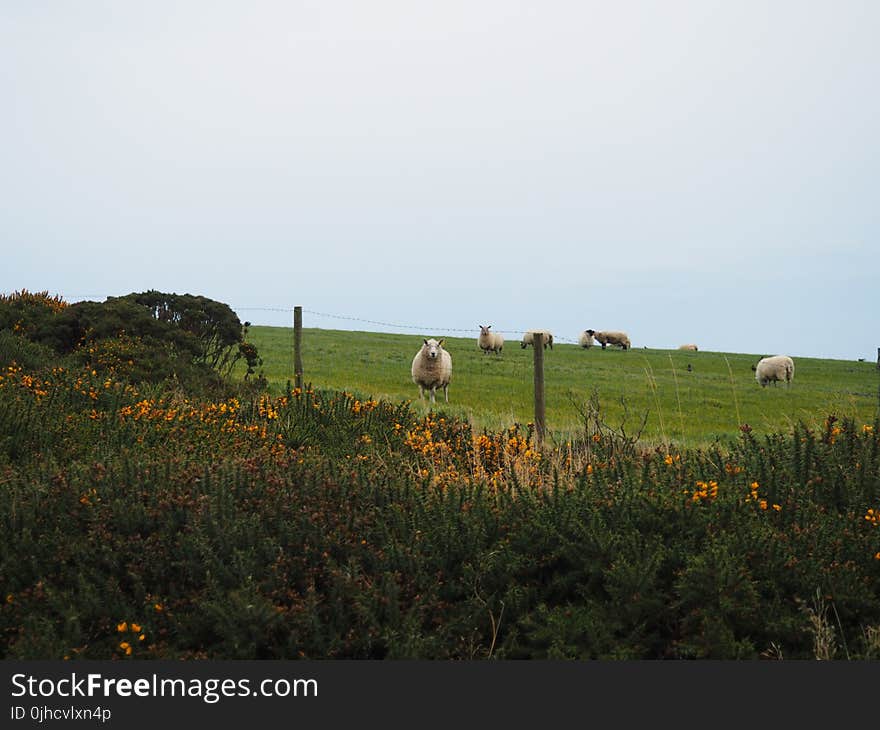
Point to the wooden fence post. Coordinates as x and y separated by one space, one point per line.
297 347
538 347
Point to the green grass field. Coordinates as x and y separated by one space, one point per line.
687 408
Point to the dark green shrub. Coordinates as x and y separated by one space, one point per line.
216 329
145 338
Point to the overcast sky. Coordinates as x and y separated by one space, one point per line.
689 171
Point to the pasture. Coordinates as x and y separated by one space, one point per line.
690 408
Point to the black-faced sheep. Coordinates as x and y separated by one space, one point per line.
529 338
586 339
611 338
432 369
779 368
490 341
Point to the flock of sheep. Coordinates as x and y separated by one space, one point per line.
432 365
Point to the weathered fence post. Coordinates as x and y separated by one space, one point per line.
297 347
538 347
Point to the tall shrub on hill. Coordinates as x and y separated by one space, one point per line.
215 329
144 337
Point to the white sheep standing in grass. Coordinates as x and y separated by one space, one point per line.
529 338
611 338
586 339
692 348
490 341
779 368
432 369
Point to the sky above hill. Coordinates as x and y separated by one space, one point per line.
688 171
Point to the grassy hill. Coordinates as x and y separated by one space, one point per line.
694 407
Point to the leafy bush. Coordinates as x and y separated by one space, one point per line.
214 326
145 338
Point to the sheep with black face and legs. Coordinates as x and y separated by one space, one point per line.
604 338
490 341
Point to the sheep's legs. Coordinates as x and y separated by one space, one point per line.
446 392
431 392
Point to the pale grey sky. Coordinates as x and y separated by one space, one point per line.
688 171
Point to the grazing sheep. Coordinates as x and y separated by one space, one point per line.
692 348
490 341
586 339
529 338
611 338
774 369
432 368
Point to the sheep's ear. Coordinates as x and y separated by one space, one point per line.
441 343
426 341
488 326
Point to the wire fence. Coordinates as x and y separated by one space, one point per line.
395 325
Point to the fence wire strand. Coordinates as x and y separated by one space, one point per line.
394 325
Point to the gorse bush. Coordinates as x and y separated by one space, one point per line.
29 313
151 521
144 338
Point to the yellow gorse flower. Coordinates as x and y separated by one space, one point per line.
705 491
